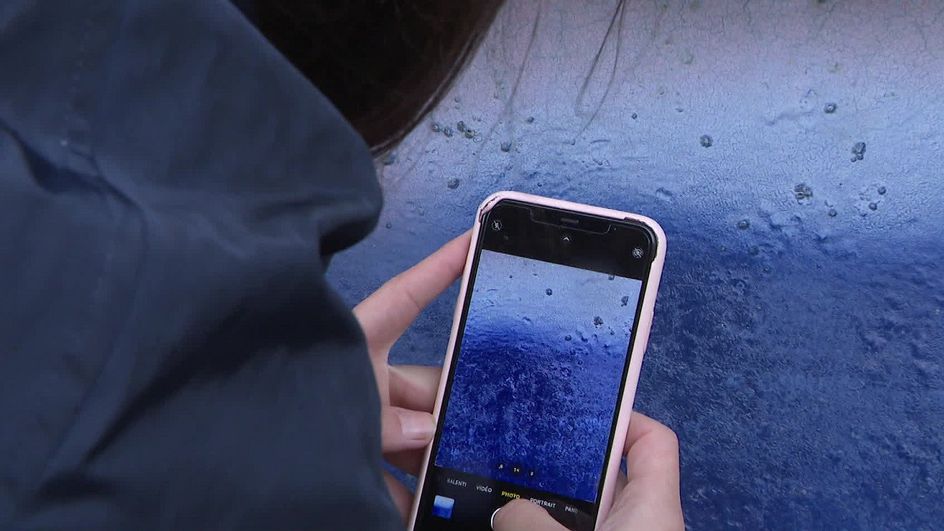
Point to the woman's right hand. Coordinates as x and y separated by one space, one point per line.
647 500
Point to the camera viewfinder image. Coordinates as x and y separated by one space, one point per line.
538 375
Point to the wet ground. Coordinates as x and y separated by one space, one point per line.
794 153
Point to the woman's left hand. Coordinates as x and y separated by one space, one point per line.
407 393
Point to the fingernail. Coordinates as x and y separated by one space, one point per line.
416 425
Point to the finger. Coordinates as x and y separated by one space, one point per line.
414 386
409 461
387 313
402 497
621 482
404 429
652 452
522 515
651 498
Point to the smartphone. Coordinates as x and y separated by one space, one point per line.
538 382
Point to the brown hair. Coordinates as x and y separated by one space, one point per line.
384 63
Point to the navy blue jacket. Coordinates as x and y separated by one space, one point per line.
171 356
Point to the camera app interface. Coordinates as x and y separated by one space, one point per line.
534 392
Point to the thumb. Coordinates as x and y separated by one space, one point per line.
405 429
522 515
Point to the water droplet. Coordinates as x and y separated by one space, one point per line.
453 183
706 141
829 108
882 190
744 224
436 127
549 291
873 206
858 151
530 119
447 131
506 146
568 337
460 126
832 213
388 225
469 133
390 158
634 116
803 193
625 300
598 321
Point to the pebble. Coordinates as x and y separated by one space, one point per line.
802 192
706 141
858 151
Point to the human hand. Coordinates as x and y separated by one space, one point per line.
407 393
647 500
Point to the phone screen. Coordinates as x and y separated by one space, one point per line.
538 368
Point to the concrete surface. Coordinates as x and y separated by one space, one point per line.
798 342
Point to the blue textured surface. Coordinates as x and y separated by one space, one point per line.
798 347
538 375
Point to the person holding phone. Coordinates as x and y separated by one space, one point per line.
172 187
647 499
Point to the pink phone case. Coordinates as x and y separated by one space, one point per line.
638 346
